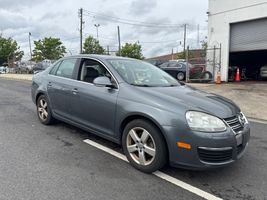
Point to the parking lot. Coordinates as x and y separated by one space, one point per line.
54 162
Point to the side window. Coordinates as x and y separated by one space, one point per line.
91 69
164 64
174 64
66 68
54 68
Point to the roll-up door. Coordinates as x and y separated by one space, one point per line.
248 36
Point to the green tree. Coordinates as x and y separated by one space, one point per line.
182 55
204 44
92 46
132 51
9 51
48 48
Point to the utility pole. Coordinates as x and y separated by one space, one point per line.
184 37
97 25
108 50
119 39
81 29
30 45
198 42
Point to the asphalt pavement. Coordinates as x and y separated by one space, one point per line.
53 162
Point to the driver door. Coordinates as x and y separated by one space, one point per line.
94 106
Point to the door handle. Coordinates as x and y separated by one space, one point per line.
49 84
74 91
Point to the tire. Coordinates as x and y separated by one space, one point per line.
147 153
43 111
180 76
206 76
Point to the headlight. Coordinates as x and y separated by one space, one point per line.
199 121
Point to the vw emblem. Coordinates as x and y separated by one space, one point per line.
241 120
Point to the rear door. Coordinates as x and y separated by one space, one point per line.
59 87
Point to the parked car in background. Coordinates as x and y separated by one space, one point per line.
177 69
24 67
263 72
155 118
3 70
42 65
156 62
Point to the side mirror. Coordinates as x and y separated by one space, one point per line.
103 81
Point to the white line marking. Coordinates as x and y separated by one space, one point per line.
159 174
106 149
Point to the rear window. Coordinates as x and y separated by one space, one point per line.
66 68
54 68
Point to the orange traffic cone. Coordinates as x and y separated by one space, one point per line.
218 78
237 77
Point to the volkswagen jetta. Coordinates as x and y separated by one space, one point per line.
133 103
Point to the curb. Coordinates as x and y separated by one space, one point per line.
16 78
261 121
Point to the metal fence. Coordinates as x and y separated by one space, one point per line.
203 65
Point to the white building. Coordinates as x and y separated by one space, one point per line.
240 26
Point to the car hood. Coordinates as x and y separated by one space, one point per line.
190 98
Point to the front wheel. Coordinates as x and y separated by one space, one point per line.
43 111
144 146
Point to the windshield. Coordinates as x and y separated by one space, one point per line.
141 73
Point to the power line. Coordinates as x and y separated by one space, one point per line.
134 40
240 8
130 22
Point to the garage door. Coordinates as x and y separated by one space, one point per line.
249 36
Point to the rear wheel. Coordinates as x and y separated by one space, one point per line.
144 146
206 76
180 76
43 111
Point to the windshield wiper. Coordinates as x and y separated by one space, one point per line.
141 85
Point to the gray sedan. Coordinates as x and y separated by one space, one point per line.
133 103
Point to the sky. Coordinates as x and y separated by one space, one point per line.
156 24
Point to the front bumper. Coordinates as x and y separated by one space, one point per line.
208 150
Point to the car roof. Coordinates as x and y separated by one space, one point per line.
97 56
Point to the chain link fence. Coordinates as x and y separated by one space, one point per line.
203 64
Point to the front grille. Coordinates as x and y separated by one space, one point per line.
234 123
215 155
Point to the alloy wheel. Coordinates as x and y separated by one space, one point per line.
141 146
42 110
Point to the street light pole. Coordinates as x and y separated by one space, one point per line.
97 25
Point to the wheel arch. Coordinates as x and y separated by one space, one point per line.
38 95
